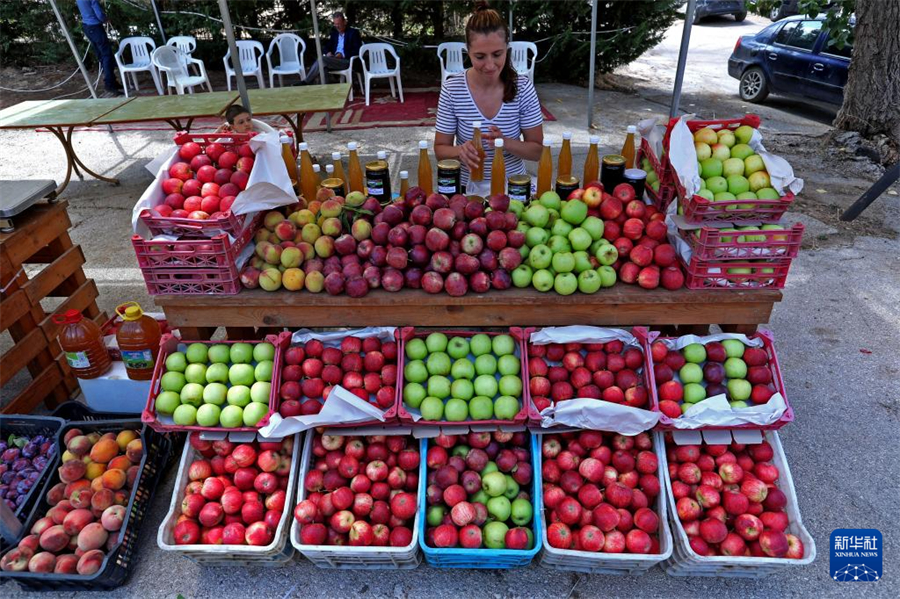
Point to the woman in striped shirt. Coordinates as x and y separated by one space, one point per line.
490 92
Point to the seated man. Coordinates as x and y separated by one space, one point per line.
343 43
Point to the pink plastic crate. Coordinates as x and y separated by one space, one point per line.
406 418
168 345
713 274
666 423
714 244
662 198
204 281
218 251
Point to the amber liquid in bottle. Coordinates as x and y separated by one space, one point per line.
564 164
477 173
628 147
426 178
355 170
592 162
545 170
309 181
498 170
82 342
290 161
404 183
138 339
338 167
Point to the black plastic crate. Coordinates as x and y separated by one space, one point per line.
77 411
31 426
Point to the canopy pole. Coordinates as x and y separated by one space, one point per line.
511 20
590 110
65 30
162 32
235 55
682 56
315 20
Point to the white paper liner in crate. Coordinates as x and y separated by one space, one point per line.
653 134
276 553
268 187
685 562
342 556
590 413
715 410
683 157
614 563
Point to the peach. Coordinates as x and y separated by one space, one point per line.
112 518
131 475
105 450
90 562
66 564
135 451
30 542
54 538
126 437
113 541
102 499
74 486
42 563
72 470
68 455
92 536
80 445
76 520
94 469
16 560
56 494
114 479
71 434
58 514
94 437
81 498
119 462
41 525
121 498
97 484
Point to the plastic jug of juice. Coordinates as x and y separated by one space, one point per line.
426 179
354 170
82 341
628 147
498 169
564 165
545 170
138 339
592 162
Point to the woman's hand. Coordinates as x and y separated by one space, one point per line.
468 155
493 133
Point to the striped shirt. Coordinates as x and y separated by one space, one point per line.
457 111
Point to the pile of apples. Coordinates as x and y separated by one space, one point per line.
87 507
599 492
478 491
688 376
365 367
236 494
607 371
361 491
727 500
204 182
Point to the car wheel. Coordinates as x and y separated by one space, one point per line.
697 18
739 17
775 13
753 86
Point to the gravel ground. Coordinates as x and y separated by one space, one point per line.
837 331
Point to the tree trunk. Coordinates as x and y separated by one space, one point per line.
872 94
437 19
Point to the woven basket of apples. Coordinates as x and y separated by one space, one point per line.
357 507
604 509
231 502
734 509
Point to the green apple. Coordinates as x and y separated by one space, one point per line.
438 363
733 167
512 488
438 386
511 385
750 238
753 164
499 507
176 362
523 226
192 393
508 364
238 395
260 392
456 410
432 408
559 243
506 407
741 152
690 373
734 348
704 193
582 262
717 184
747 195
241 374
720 152
263 370
517 207
172 381
735 368
521 511
185 415
542 280
480 344
521 276
197 353
702 150
550 200
574 212
607 276
580 239
208 415
540 256
536 236
759 180
738 184
743 134
462 389
724 196
486 385
263 352
695 352
767 193
416 349
458 348
495 534
563 262
565 283
254 413
594 227
463 369
503 345
607 254
481 408
739 389
435 515
694 392
436 342
493 483
167 402
219 354
231 416
486 364
215 393
489 467
217 373
415 372
711 167
726 137
413 394
195 373
537 215
589 281
241 353
737 405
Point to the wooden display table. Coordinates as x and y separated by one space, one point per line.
198 316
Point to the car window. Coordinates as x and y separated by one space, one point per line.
804 37
785 34
833 50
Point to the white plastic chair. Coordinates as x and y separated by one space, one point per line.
141 48
251 53
185 45
378 67
290 52
520 60
167 60
453 63
347 75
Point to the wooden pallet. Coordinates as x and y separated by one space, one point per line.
41 237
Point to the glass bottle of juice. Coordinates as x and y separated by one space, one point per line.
628 147
290 161
138 339
545 170
498 169
426 179
404 183
564 165
82 342
338 167
354 169
308 178
477 173
592 162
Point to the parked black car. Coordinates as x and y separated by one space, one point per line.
709 8
787 8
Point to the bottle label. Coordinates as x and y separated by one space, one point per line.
448 185
138 360
78 359
375 187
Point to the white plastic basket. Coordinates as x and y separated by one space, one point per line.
352 558
278 553
685 562
632 564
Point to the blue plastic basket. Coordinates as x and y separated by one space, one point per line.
483 559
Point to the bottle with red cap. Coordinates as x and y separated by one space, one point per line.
82 341
138 340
